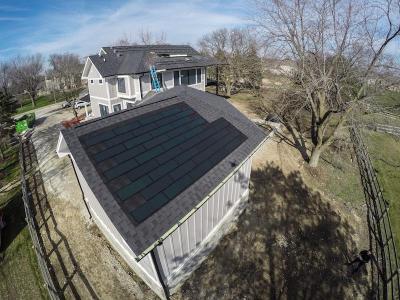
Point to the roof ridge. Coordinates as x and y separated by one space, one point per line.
120 112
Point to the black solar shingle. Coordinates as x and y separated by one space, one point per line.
158 155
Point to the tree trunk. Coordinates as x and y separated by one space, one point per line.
228 89
1 152
33 100
315 155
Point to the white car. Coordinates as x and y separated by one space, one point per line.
81 104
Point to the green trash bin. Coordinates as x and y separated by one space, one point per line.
21 126
25 122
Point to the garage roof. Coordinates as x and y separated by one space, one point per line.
148 166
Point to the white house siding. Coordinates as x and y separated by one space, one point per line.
112 87
197 235
145 268
145 84
136 86
168 78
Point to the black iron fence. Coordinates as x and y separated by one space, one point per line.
27 167
385 265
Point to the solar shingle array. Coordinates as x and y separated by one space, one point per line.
148 160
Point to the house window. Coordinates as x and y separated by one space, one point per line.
117 107
188 77
103 110
129 104
176 78
192 76
185 77
198 75
91 81
121 85
100 81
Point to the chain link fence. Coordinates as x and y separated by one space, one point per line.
385 266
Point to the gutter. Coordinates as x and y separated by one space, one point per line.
190 213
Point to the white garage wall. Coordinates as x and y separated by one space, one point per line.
176 252
145 268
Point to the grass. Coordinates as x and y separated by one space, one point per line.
45 100
20 277
338 176
384 150
390 99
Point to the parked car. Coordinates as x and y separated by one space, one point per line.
81 104
66 104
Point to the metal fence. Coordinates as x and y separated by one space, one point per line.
385 265
394 130
27 166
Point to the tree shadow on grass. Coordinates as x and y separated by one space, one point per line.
288 244
14 218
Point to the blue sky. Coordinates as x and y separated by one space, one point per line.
84 26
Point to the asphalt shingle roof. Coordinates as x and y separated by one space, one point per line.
124 60
148 166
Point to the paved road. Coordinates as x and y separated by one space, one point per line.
42 111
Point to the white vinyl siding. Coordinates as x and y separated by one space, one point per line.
145 268
192 235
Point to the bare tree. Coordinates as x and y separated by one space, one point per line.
66 69
238 49
336 47
5 77
27 74
124 40
147 37
7 107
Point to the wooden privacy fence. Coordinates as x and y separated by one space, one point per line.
384 266
43 261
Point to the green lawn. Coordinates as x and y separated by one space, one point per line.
390 99
384 150
20 277
45 100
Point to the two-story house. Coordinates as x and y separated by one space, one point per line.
119 77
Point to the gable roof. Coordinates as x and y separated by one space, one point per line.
150 165
123 60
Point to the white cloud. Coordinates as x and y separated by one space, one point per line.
85 33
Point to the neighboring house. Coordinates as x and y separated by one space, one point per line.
119 77
164 179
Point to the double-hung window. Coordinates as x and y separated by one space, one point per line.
121 85
103 110
117 107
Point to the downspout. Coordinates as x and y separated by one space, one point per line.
158 271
